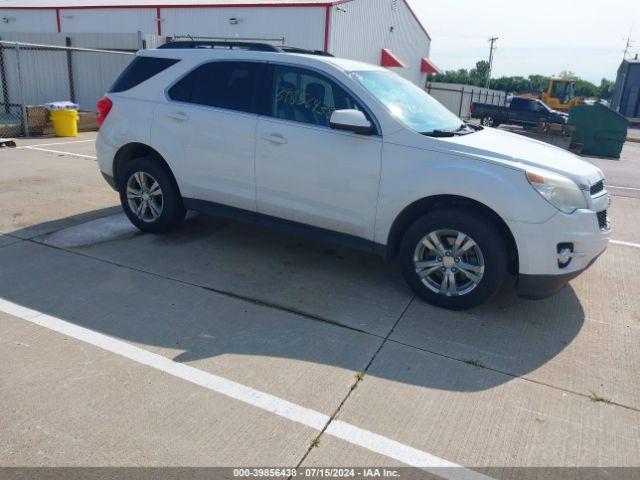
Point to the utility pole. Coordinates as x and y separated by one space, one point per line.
492 41
629 43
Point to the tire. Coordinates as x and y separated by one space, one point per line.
489 121
164 209
485 259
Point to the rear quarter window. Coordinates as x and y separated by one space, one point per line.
140 70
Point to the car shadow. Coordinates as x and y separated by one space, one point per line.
140 288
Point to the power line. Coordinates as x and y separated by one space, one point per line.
458 35
492 41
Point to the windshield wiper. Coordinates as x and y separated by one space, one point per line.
467 128
464 129
439 133
471 126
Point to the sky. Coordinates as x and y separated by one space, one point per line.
587 37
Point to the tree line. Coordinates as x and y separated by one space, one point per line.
478 77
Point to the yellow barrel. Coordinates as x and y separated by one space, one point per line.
65 122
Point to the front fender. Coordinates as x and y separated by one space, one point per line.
410 174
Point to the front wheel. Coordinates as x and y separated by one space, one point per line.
149 196
454 258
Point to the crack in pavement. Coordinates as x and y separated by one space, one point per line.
314 317
13 237
359 379
509 374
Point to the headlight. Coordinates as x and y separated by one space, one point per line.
559 191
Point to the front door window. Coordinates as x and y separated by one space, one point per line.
307 97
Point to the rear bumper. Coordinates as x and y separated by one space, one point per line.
110 180
537 287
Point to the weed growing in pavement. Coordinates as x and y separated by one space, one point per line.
594 397
475 362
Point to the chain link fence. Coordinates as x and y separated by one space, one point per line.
34 74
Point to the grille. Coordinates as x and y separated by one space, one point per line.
597 187
603 221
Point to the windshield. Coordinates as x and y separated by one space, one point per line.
408 103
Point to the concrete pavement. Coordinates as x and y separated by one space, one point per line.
512 383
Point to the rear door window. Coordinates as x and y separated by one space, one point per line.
520 104
140 70
228 85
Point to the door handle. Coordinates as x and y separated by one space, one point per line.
274 138
178 116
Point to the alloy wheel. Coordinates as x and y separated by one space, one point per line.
488 121
144 196
449 262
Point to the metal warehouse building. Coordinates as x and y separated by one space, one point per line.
384 32
626 94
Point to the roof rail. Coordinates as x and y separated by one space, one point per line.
254 46
321 53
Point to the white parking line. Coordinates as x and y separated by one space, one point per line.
625 244
624 188
59 152
57 143
278 406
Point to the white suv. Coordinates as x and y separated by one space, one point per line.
351 153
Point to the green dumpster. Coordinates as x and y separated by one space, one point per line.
600 130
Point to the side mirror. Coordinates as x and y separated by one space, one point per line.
351 121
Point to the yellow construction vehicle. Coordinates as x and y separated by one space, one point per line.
560 94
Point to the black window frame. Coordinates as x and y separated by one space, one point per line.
162 64
264 94
257 82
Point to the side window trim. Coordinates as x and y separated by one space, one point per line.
268 73
260 76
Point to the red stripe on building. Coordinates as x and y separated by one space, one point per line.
158 7
327 23
192 5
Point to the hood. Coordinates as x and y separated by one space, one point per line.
563 115
516 150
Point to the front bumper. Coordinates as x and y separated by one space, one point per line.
539 274
537 287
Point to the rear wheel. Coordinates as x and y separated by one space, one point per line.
454 258
149 196
489 121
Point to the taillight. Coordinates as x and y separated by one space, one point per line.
472 107
104 107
